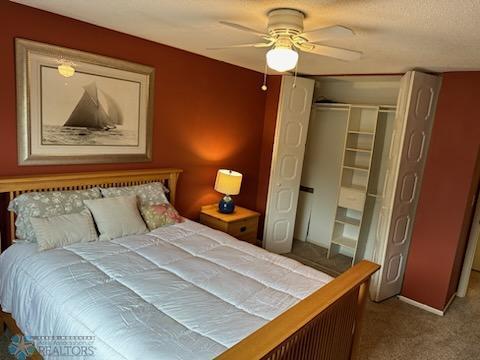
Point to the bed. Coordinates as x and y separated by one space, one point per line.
183 291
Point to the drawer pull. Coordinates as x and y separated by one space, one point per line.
243 228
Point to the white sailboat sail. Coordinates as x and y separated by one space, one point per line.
113 110
91 113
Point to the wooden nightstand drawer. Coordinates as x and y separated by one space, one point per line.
242 224
243 228
212 222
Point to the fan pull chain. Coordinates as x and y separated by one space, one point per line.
295 76
264 86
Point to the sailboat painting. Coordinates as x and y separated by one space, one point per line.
99 112
96 119
89 115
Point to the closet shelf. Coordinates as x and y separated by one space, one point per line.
355 187
338 107
388 107
356 168
346 107
332 109
342 219
364 150
373 107
345 241
358 132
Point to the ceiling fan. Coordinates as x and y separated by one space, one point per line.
285 36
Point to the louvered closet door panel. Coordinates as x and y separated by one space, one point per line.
407 159
287 161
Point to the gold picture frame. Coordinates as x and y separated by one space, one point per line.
101 114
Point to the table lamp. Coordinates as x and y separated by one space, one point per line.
227 182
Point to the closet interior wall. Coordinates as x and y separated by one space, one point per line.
339 150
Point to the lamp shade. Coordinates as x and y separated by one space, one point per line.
228 182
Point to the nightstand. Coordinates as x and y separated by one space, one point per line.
242 223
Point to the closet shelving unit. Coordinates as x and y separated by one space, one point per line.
355 172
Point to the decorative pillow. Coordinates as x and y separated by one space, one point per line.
117 216
160 215
47 204
62 230
151 193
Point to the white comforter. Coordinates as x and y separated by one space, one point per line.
180 292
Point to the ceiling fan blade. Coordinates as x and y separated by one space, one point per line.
330 32
242 28
337 53
257 45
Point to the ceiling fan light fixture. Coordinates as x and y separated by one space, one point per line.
282 59
285 36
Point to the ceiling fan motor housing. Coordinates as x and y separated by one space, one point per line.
285 22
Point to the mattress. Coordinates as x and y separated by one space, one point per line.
179 292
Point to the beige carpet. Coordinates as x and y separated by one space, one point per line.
396 330
316 256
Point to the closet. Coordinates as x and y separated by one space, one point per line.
347 164
342 172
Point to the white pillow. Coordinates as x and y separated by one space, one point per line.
62 230
117 216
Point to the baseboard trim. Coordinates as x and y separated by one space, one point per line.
450 302
426 307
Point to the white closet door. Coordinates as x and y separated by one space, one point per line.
410 139
294 109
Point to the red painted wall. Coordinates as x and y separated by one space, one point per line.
445 204
208 114
270 121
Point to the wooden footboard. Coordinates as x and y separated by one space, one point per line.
325 325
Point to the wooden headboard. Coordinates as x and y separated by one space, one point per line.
14 186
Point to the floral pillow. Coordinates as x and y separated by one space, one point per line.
160 215
47 204
147 194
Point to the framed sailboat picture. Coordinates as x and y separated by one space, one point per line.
75 107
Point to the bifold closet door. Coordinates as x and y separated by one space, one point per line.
294 109
406 160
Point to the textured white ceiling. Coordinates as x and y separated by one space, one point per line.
395 35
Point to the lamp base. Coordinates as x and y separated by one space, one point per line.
226 205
